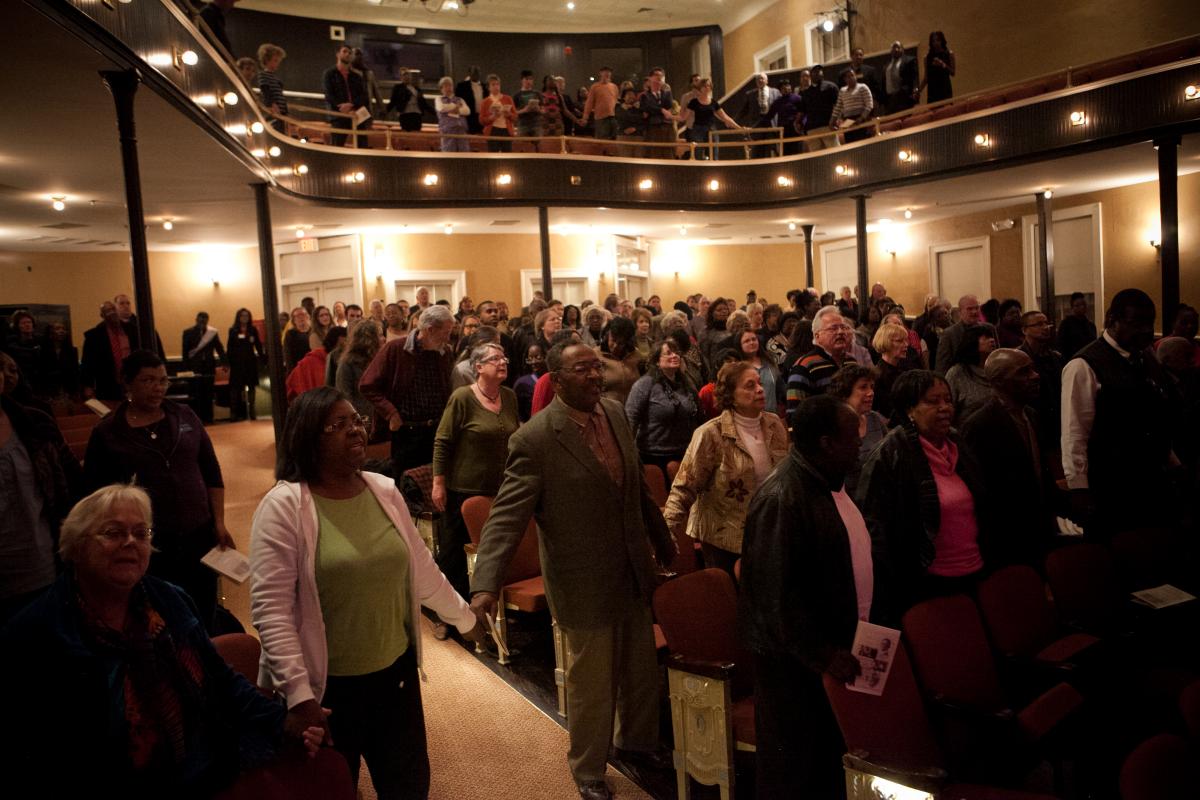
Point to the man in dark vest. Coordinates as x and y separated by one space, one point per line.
1116 436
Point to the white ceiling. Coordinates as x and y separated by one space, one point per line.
526 16
69 147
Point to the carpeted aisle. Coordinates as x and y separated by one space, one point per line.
485 739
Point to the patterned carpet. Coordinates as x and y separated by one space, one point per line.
485 739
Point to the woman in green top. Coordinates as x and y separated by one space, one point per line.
469 451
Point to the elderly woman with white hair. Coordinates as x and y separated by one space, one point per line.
452 114
469 452
116 685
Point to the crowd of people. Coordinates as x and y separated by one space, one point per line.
923 454
828 108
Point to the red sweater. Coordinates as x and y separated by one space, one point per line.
308 374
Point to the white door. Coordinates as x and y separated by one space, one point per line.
839 267
571 291
1077 258
323 293
961 268
331 273
631 287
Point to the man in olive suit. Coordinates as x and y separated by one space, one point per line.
574 468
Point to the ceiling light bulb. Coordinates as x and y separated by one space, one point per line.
713 185
274 151
301 169
840 169
256 127
449 229
168 225
299 233
827 26
791 226
59 203
1191 92
982 139
784 180
1047 194
189 57
645 183
1078 117
570 6
358 177
431 179
504 179
908 213
904 155
230 98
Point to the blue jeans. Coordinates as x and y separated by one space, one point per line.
606 128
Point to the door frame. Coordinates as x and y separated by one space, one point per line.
784 44
1029 249
354 271
458 278
532 278
984 242
833 247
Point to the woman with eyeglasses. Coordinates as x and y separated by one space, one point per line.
338 576
469 452
120 689
162 445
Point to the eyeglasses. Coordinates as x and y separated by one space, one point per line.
836 328
340 424
494 360
115 535
588 368
152 380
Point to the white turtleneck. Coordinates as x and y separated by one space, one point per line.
750 432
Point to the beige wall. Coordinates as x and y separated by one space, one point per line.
182 281
181 284
995 42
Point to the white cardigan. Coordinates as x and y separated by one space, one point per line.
284 605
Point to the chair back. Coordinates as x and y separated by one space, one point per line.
1147 557
953 661
656 484
475 512
240 651
526 561
1017 611
1158 768
1083 581
672 471
296 777
891 729
698 617
1189 707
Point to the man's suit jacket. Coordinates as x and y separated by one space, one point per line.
464 90
97 370
753 114
594 538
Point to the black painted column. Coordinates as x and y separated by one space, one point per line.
274 343
860 231
544 233
123 85
1168 211
808 256
1045 257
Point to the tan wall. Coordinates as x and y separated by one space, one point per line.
994 42
725 270
180 282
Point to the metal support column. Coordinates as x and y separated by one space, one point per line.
274 343
860 225
1045 257
123 86
808 255
1168 210
544 234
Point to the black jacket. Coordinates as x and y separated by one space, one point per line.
401 93
56 469
899 501
797 596
205 361
336 87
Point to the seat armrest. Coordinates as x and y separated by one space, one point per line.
1003 716
928 779
717 670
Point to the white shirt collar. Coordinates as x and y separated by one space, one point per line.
1113 343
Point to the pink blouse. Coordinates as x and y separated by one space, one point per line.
956 545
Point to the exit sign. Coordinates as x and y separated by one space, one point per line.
309 245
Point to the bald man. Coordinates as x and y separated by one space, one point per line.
1003 437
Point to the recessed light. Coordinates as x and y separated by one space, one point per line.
645 183
714 185
190 58
357 177
256 127
230 98
1047 194
430 179
1191 92
1078 118
983 140
58 202
168 225
301 169
570 6
784 181
449 229
504 179
274 151
791 226
908 213
904 155
299 233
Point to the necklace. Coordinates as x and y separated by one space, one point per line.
487 396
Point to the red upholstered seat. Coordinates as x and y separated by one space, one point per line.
528 595
698 615
1023 92
240 651
1082 579
743 721
660 641
946 112
913 120
1174 51
1043 715
890 125
1066 648
656 484
1159 768
1020 619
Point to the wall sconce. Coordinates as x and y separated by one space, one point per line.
983 140
189 58
58 202
576 180
1078 118
841 169
1156 244
645 184
714 185
1191 92
256 127
905 155
784 181
230 98
504 179
430 179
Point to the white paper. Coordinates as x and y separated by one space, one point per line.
1162 596
98 406
875 648
229 562
361 115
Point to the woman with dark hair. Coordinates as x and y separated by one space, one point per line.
921 495
643 319
728 458
747 346
714 335
296 341
968 382
772 321
1008 330
777 344
338 576
663 408
552 116
622 363
322 322
571 318
855 384
26 349
59 370
940 66
245 350
364 344
164 446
